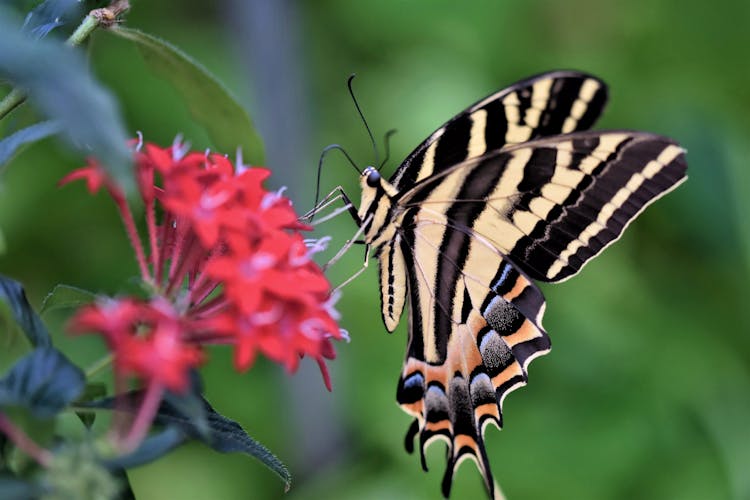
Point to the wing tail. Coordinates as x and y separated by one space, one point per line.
487 358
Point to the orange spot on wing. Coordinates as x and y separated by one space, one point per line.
527 332
462 440
519 287
438 426
487 409
414 409
507 374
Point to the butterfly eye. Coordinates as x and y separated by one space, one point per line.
373 178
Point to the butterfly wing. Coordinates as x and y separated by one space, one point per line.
474 326
553 204
468 238
544 105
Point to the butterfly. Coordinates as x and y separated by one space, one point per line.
511 190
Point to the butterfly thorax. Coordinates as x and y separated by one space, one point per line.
376 209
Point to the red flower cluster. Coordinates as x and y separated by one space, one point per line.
227 265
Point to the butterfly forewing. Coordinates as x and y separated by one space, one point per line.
540 106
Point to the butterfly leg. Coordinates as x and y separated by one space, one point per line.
357 273
327 200
348 245
335 195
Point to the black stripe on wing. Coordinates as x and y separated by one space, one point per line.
619 174
540 106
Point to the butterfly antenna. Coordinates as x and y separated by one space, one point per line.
387 141
362 116
320 169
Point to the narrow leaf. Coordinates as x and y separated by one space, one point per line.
57 79
11 144
65 297
44 382
92 391
152 448
228 436
210 103
191 405
225 435
11 292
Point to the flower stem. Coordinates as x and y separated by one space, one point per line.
99 365
135 240
98 17
24 443
146 412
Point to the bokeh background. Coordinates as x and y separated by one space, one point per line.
646 393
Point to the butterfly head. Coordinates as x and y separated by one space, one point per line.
377 200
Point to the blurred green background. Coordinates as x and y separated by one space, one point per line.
646 392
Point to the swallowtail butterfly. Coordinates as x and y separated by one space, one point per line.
513 189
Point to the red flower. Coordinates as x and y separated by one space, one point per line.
226 265
147 339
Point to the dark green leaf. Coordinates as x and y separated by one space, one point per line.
210 103
11 292
33 133
92 391
57 79
191 405
225 435
12 488
152 448
66 296
44 382
50 14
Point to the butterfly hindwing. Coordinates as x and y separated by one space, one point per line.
540 106
456 377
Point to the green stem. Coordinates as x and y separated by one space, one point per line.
11 101
83 31
99 366
94 19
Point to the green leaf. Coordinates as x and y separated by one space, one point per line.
43 382
58 81
210 103
224 435
10 145
66 297
152 448
92 391
11 292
